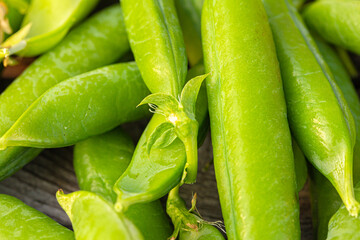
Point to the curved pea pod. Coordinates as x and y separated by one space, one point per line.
95 218
336 21
19 221
325 200
151 176
300 166
190 20
99 41
157 43
344 226
319 117
253 158
188 225
46 23
98 163
80 107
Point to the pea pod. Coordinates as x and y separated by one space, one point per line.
253 158
298 3
95 218
344 226
19 221
99 161
188 225
157 43
325 200
190 17
336 21
80 107
319 117
47 22
142 182
97 42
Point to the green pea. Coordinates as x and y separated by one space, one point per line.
19 222
80 107
336 21
95 218
150 177
325 200
98 163
190 17
253 158
344 226
99 41
48 22
188 225
319 117
300 166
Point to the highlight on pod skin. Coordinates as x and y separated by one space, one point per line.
179 119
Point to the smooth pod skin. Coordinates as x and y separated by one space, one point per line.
80 107
98 163
336 21
20 221
253 158
301 172
190 20
151 177
161 59
95 218
319 117
325 200
99 41
50 21
342 225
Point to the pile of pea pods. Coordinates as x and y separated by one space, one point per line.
271 79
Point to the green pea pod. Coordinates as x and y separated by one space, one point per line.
300 166
348 63
157 43
46 23
99 41
95 218
253 158
188 225
15 14
190 21
319 117
325 200
336 21
80 107
98 163
142 181
344 226
19 222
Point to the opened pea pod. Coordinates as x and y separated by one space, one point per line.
99 41
45 24
98 163
77 108
20 221
170 141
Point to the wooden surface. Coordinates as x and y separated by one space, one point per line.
37 183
